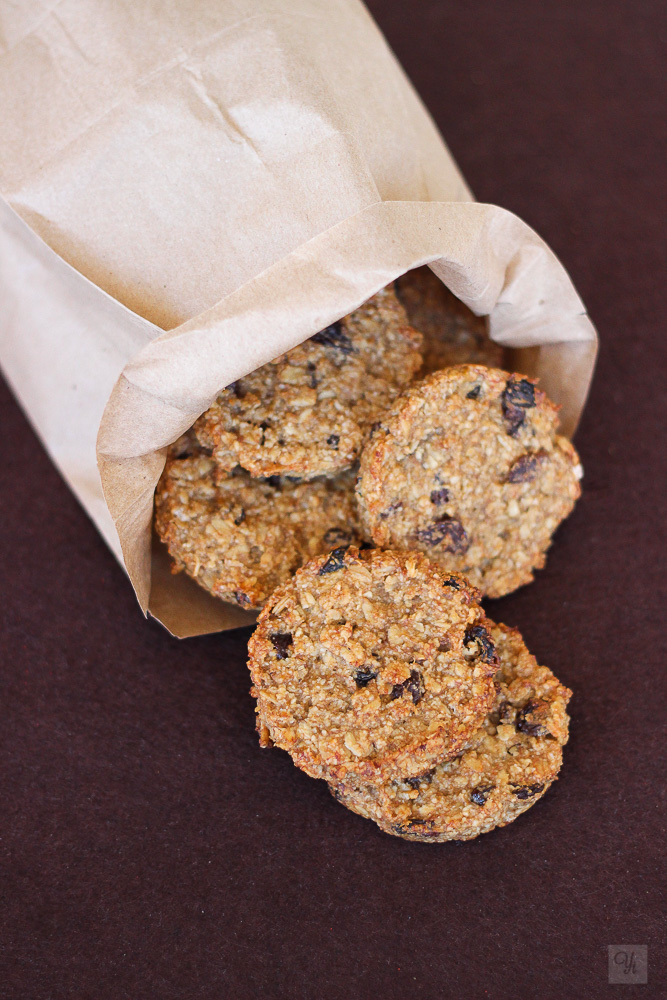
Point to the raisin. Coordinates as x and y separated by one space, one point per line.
412 684
514 417
281 641
242 599
526 467
337 537
444 645
518 396
478 634
506 713
334 336
420 779
238 389
396 505
474 392
452 582
364 676
519 392
333 441
502 715
439 497
531 718
445 530
479 795
525 791
335 561
312 376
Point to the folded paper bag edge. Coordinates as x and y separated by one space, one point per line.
523 315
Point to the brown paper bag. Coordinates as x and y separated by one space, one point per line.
192 189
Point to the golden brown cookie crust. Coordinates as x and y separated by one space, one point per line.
467 467
511 762
240 537
453 334
307 413
369 662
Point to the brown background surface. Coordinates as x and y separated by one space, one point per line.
150 849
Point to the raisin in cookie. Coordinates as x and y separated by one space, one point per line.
511 762
306 413
371 662
467 467
453 334
241 537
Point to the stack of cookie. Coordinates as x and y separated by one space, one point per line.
265 480
381 674
368 513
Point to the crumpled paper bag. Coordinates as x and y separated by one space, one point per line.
192 189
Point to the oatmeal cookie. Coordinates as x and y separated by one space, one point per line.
453 334
306 413
241 537
467 467
371 662
513 759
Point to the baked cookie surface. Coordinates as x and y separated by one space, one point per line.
467 467
240 537
307 413
509 765
371 662
453 334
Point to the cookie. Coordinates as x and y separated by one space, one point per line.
511 762
468 468
453 334
306 413
371 663
241 537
